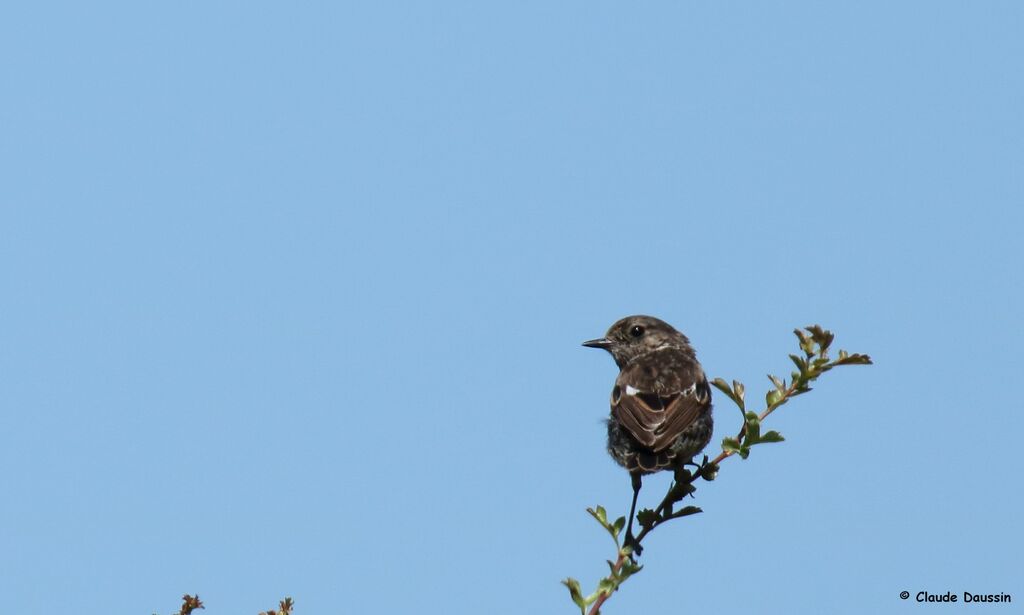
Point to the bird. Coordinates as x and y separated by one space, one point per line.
660 404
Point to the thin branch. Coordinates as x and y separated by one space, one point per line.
596 608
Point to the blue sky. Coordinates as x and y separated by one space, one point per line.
293 299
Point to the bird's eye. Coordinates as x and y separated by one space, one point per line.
636 331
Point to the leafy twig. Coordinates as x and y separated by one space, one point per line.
621 569
190 603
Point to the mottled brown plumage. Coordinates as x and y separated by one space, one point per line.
661 401
665 407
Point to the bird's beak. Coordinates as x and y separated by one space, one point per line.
601 342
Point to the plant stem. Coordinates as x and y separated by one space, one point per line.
596 608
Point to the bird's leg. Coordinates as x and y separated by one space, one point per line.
630 541
680 473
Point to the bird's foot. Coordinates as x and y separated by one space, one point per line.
631 542
682 475
700 466
707 470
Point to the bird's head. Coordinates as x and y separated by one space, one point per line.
634 336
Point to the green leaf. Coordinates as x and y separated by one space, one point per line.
740 391
780 385
600 515
731 445
575 593
773 397
724 387
772 436
800 363
744 451
618 525
753 432
606 586
646 517
686 511
629 568
806 343
822 337
852 359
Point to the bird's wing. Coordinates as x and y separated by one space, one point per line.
656 420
